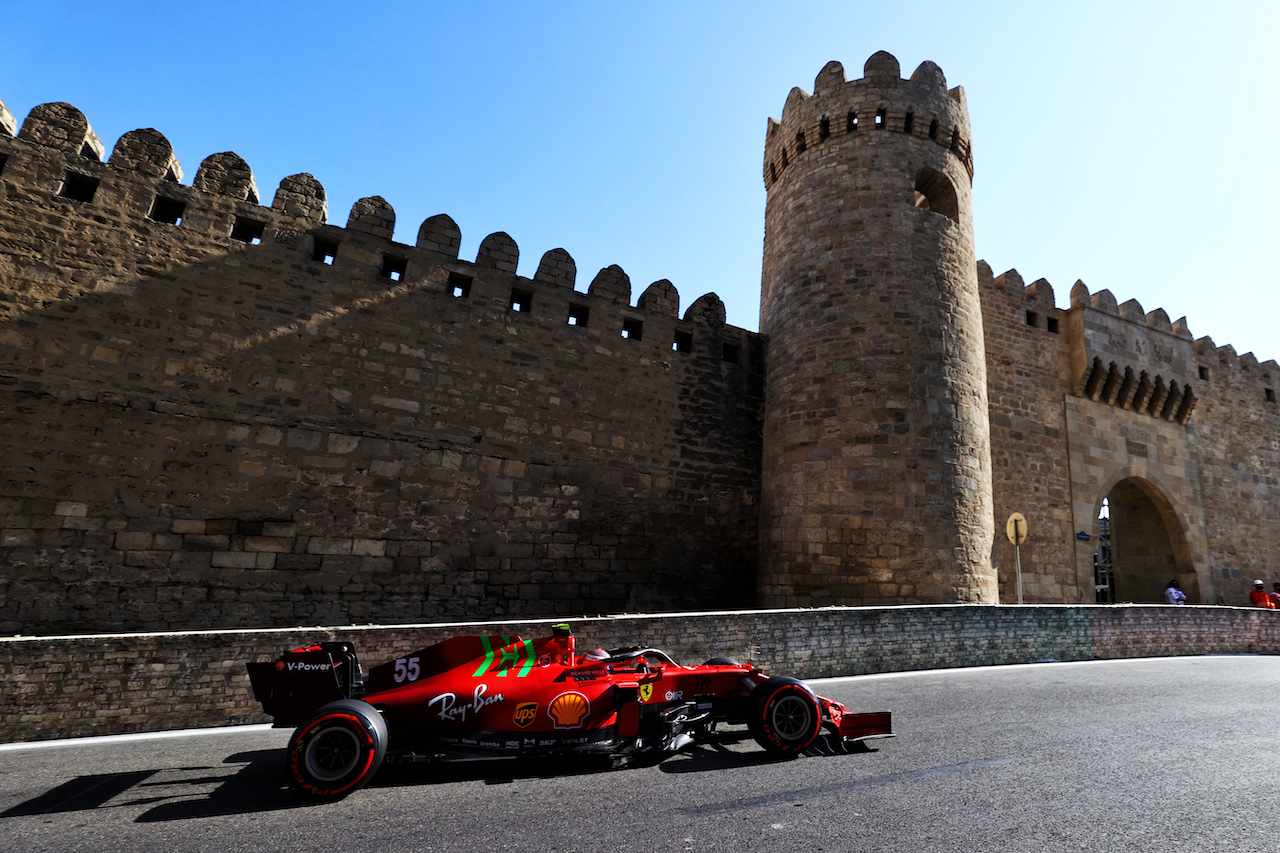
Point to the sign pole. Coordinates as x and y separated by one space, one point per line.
1017 555
1016 529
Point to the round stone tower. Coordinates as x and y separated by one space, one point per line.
877 450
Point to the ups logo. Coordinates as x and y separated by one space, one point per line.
526 713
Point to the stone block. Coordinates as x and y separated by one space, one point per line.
132 541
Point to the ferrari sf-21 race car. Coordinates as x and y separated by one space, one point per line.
488 696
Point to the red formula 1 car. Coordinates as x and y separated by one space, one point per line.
473 696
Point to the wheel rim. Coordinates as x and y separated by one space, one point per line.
332 754
792 717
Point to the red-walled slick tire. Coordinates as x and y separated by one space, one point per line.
338 749
785 715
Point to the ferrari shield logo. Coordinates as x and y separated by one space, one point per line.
646 690
526 713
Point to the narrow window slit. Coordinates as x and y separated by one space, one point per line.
521 301
168 210
78 187
683 341
632 329
393 267
247 231
459 285
578 315
324 251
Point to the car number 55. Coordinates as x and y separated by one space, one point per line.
407 669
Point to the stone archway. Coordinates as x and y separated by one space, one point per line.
1149 544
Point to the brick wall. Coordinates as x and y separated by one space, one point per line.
93 685
1239 453
244 416
1026 378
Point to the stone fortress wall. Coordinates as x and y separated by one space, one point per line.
218 413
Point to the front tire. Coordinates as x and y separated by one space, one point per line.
785 716
338 749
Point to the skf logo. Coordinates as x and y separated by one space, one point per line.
526 713
568 710
646 691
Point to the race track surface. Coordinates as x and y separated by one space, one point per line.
1172 754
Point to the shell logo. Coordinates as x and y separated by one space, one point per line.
568 710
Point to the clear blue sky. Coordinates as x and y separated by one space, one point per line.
1128 144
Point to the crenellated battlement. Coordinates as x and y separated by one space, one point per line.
1117 347
1131 358
839 110
1199 353
1034 302
55 160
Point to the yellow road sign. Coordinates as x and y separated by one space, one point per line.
1016 528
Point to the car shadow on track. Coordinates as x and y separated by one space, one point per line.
250 782
245 782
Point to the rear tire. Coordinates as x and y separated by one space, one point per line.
338 749
785 717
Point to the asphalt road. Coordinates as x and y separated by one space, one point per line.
1175 754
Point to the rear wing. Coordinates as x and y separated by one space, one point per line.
293 686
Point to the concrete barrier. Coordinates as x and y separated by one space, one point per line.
73 686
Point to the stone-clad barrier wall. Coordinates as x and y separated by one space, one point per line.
93 685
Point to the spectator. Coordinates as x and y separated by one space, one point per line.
1259 597
1275 595
1173 593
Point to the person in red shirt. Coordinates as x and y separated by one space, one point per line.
1275 595
1259 597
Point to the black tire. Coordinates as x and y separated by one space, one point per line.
338 749
722 662
785 716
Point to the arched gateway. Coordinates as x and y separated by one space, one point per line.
1144 543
